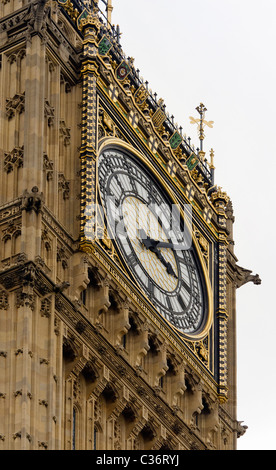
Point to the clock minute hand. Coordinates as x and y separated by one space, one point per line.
149 242
170 245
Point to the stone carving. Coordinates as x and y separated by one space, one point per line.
64 133
43 403
37 15
15 105
243 276
241 429
48 167
25 297
63 185
43 444
45 309
32 200
49 113
13 159
4 304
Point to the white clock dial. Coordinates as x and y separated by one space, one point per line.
137 214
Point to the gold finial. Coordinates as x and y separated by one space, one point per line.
201 123
211 165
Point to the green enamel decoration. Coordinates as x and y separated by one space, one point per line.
82 16
104 46
175 140
192 161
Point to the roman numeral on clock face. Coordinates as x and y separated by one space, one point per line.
181 302
186 286
168 300
132 259
150 286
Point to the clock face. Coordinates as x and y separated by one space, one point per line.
151 239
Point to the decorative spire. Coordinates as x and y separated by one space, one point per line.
212 166
109 9
201 123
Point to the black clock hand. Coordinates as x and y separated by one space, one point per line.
171 271
167 265
149 242
171 245
151 245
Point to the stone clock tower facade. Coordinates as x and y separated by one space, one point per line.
110 339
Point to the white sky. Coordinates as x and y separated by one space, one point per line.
222 53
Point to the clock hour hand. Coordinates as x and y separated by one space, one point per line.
147 241
170 270
167 265
151 245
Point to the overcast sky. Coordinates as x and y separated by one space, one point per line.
222 53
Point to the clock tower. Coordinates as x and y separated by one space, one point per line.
117 270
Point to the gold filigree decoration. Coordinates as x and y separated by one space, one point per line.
107 128
204 246
201 350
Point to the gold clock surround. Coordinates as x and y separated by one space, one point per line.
114 143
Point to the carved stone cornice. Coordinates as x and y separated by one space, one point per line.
26 275
10 210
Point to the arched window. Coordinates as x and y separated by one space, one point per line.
195 418
17 242
83 297
124 341
7 247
